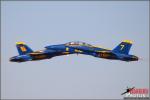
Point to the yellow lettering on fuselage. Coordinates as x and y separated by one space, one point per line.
40 56
79 51
104 55
65 52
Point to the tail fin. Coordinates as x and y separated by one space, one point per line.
23 48
123 47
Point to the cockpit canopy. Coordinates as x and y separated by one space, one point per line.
78 43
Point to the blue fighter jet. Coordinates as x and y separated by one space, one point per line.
121 52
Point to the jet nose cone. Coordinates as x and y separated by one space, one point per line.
16 59
135 58
12 59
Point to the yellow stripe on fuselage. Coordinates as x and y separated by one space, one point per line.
65 52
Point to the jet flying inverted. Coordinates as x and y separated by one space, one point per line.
120 52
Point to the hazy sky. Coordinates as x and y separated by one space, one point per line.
100 23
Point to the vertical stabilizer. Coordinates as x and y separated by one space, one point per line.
123 47
23 48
